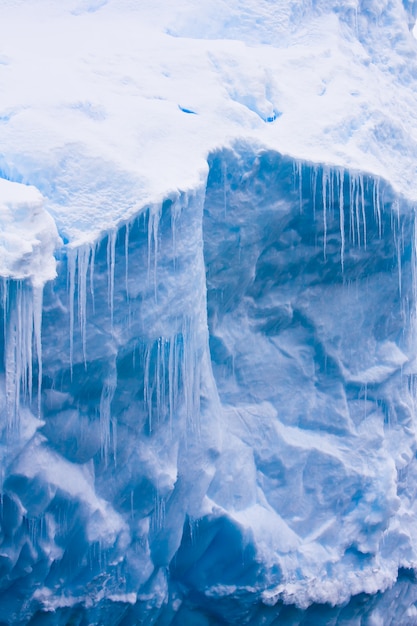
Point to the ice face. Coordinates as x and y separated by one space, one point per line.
311 330
227 402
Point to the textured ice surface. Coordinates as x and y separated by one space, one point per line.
208 415
227 409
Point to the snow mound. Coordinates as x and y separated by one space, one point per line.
28 235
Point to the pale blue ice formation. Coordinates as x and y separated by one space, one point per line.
222 410
208 289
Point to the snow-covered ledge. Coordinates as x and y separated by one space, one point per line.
28 235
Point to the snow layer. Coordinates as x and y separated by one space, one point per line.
139 94
223 371
28 235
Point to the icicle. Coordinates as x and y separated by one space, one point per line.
378 207
12 375
25 336
358 223
92 262
9 355
314 191
107 394
23 345
163 378
351 209
342 218
176 373
158 378
300 184
37 329
5 302
147 391
398 241
114 437
173 376
150 225
376 217
83 261
155 241
127 261
171 392
72 265
4 288
158 518
362 192
23 316
324 192
111 259
332 175
153 231
176 209
187 371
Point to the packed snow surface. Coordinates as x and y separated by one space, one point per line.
208 272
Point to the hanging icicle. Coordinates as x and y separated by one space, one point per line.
111 260
362 198
351 210
314 186
147 389
127 261
71 269
300 184
378 207
22 324
92 264
37 330
324 192
153 238
106 422
342 218
176 209
83 260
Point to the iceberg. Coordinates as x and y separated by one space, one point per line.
208 287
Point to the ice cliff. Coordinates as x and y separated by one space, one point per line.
208 283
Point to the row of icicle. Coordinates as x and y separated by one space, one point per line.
333 185
22 303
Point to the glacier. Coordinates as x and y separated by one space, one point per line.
208 286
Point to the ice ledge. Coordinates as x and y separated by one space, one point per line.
28 235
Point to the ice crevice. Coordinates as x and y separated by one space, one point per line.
231 377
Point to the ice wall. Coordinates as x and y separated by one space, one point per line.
310 278
226 425
99 487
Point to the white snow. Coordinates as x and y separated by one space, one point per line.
106 87
28 236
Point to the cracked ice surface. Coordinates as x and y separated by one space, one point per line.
209 413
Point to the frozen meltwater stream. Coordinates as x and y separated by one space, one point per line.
212 419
